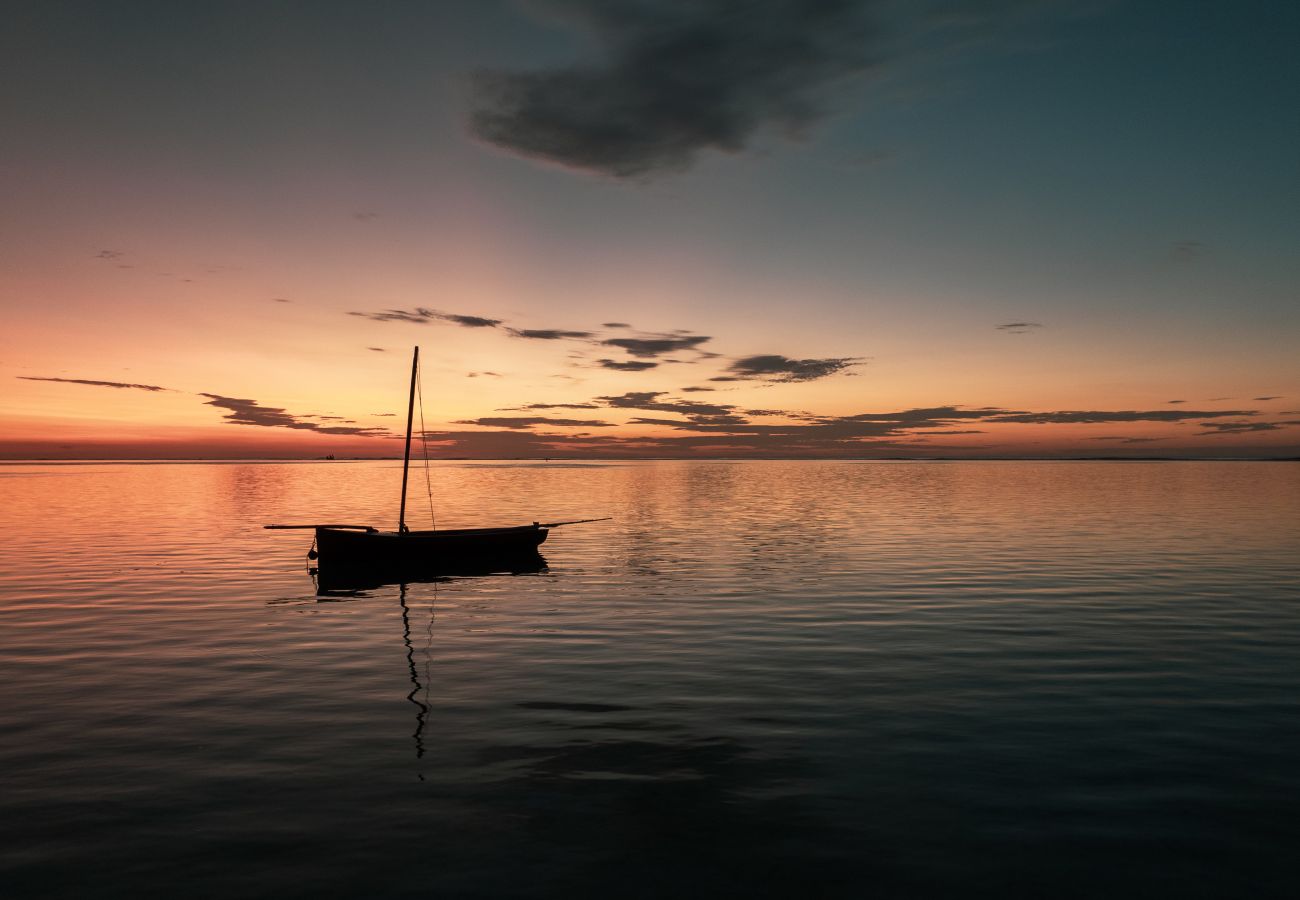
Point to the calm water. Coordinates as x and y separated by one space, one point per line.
781 679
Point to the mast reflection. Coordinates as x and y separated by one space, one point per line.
353 585
417 689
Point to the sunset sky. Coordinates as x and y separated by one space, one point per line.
672 228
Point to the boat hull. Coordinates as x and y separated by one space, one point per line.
392 556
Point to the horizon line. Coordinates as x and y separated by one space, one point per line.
775 458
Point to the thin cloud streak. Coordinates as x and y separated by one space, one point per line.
1245 427
630 365
531 421
548 334
557 406
782 369
95 383
1095 416
423 316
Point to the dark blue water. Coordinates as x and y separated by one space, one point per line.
762 679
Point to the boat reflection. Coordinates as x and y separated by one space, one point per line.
344 580
334 585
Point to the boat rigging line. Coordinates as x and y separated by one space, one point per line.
406 454
424 446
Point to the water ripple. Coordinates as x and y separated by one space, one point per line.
761 679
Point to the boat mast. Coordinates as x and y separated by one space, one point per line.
406 458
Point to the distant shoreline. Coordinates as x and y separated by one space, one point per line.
618 459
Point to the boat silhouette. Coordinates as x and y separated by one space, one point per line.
364 555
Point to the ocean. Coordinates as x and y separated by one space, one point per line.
759 679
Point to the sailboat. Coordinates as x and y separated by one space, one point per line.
350 552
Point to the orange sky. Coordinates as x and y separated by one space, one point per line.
263 226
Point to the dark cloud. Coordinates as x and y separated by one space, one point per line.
1266 398
776 368
676 77
1159 415
723 430
720 429
1175 401
696 390
649 400
721 425
477 374
630 365
467 321
1017 327
383 414
559 406
531 421
547 334
250 412
1244 427
377 349
423 316
94 383
109 254
924 416
650 346
835 430
615 325
281 300
728 423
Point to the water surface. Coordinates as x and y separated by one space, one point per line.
782 679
